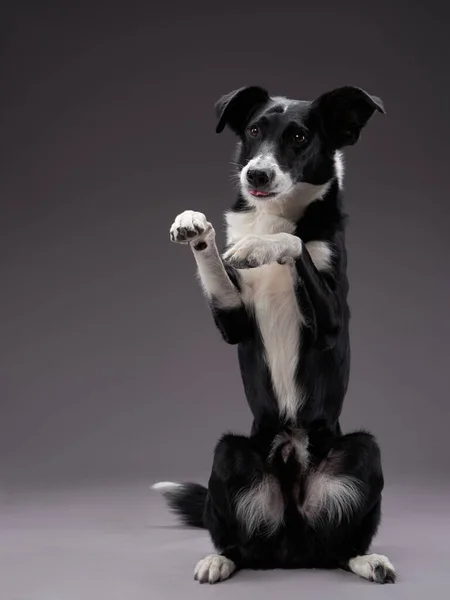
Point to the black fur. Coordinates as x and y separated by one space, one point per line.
330 123
297 543
188 501
304 137
323 367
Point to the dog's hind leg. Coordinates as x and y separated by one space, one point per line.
220 284
343 502
244 504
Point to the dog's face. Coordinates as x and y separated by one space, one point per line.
288 145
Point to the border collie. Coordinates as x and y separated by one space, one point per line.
296 493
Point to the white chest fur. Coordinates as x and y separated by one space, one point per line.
269 292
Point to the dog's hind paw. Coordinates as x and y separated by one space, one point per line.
374 567
214 568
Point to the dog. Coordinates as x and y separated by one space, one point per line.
297 492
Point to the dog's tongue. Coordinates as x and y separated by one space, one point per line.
257 193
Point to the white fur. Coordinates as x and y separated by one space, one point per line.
321 254
365 566
194 224
291 197
261 249
339 167
285 102
214 279
297 442
267 290
282 181
331 497
291 200
272 215
214 568
270 293
163 486
261 506
256 222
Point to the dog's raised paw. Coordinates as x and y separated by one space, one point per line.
250 252
214 568
189 226
257 250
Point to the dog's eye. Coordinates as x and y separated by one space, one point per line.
299 138
254 131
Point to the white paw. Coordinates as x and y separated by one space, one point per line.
374 567
190 226
257 250
214 568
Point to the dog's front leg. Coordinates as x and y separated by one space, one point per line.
316 277
220 283
312 270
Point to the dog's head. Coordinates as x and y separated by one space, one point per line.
286 145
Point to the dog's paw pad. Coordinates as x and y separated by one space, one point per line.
384 574
214 568
188 226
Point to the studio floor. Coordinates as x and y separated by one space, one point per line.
118 542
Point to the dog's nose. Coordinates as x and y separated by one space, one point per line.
259 177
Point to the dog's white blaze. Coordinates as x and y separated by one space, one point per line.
365 566
261 506
282 181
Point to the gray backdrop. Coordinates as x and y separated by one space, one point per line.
111 367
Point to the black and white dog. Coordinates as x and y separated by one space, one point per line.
296 493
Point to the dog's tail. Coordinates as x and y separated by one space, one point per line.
187 500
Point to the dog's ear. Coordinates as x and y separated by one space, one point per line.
236 108
344 112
